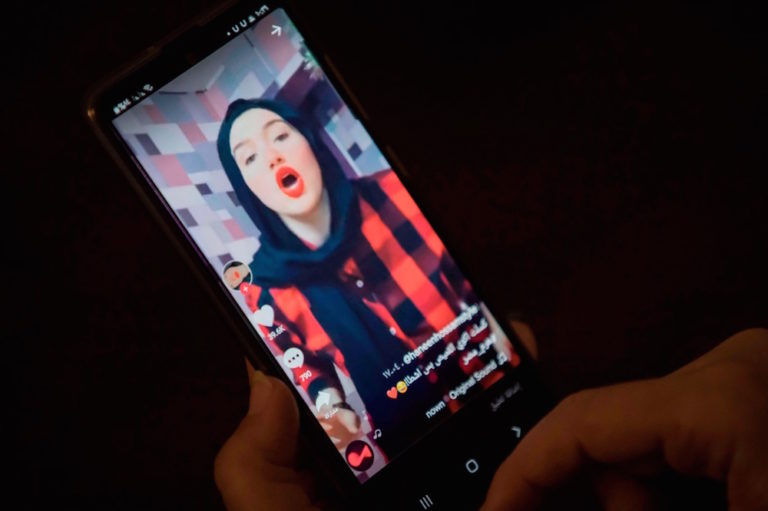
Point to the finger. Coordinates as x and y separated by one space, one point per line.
265 441
525 334
272 422
609 425
748 346
620 492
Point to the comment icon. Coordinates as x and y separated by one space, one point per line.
293 358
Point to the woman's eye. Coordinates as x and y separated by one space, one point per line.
250 159
281 137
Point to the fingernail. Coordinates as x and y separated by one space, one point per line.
261 388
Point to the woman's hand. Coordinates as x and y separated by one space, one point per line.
342 426
341 423
708 419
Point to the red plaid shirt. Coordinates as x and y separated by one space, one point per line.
423 292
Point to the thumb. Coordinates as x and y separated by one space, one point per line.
525 334
267 435
271 426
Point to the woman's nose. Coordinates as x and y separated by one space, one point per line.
276 161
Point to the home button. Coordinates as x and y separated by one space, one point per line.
472 466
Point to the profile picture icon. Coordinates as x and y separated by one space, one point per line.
236 273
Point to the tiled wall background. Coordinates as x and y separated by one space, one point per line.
173 132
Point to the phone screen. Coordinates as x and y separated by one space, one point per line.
290 201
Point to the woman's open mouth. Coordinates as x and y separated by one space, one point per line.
289 181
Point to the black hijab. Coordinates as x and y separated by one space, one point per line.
283 260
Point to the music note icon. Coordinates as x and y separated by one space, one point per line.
359 455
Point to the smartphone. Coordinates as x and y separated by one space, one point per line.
241 137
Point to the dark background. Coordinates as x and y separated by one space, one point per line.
600 169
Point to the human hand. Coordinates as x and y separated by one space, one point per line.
340 423
256 467
343 426
707 419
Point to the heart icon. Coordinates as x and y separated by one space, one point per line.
264 316
392 393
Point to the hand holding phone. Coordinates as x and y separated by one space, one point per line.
340 422
731 446
706 420
245 476
245 143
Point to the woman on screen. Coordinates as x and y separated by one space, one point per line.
355 276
